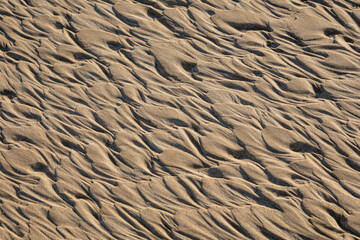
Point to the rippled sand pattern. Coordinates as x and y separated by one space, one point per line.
180 119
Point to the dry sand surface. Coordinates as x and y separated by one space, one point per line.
180 119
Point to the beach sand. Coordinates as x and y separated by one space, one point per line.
180 119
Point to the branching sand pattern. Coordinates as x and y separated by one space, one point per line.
180 119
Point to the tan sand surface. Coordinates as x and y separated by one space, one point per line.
180 119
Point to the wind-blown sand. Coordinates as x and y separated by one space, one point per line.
180 119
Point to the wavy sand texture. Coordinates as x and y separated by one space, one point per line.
180 119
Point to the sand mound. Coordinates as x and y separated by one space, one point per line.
179 119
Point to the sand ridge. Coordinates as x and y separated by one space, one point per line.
179 119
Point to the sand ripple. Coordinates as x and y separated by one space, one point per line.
179 119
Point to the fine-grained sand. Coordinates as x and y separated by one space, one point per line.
180 119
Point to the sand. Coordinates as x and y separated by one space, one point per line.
180 119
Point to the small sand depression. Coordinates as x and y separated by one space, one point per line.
179 119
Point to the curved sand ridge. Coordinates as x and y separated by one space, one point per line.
179 119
